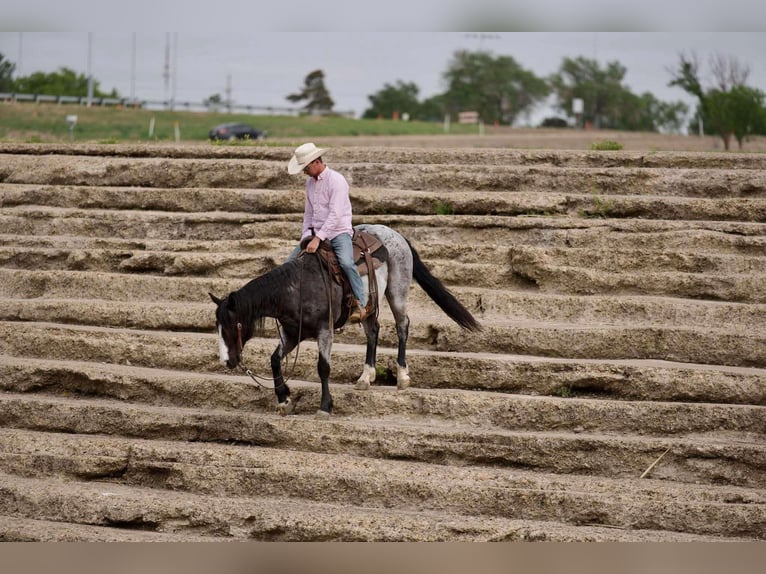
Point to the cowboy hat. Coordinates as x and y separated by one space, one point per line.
303 156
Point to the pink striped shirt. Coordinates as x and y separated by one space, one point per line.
328 206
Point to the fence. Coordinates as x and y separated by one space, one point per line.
166 105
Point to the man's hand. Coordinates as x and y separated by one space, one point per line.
313 245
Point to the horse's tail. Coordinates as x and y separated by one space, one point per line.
441 295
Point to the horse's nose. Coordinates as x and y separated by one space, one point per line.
231 363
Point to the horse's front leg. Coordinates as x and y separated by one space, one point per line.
284 404
371 330
324 342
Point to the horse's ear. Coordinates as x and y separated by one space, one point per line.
215 299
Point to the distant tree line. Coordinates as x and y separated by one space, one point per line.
64 82
501 91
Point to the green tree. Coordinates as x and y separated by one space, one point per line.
731 108
496 87
738 112
647 113
401 98
433 109
608 103
601 90
315 93
6 74
65 82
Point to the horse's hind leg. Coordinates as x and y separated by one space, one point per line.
324 342
402 371
371 331
397 300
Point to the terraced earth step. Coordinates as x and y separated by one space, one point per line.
688 244
435 331
258 173
420 229
369 201
21 529
493 264
504 304
164 387
424 492
524 272
138 514
626 379
411 154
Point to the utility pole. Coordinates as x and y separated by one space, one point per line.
133 70
175 70
166 71
21 50
90 71
228 92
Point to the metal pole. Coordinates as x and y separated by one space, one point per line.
166 71
21 50
90 65
175 69
228 92
133 71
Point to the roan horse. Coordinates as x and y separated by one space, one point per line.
295 293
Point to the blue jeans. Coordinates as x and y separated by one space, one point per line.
344 251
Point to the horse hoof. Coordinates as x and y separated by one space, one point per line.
402 378
362 386
285 408
320 414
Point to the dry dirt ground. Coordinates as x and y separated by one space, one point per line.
616 392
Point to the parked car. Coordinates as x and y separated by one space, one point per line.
233 131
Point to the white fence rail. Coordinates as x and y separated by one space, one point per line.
221 107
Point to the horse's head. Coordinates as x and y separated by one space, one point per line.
232 331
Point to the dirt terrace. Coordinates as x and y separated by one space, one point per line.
617 392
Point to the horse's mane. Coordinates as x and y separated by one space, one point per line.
265 293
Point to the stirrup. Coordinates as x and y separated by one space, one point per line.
358 314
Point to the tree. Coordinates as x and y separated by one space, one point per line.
647 113
738 112
65 82
730 109
433 109
400 98
315 93
601 90
608 103
214 102
6 74
496 87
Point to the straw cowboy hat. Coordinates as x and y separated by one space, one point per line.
303 156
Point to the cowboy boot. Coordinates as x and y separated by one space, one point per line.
358 313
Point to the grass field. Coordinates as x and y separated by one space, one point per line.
30 122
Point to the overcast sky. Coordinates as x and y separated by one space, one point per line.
265 67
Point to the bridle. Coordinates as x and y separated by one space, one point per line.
288 376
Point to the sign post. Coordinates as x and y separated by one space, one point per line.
71 121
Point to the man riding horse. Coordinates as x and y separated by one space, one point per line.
327 216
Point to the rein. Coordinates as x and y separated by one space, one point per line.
256 377
289 376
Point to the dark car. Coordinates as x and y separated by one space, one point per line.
234 131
